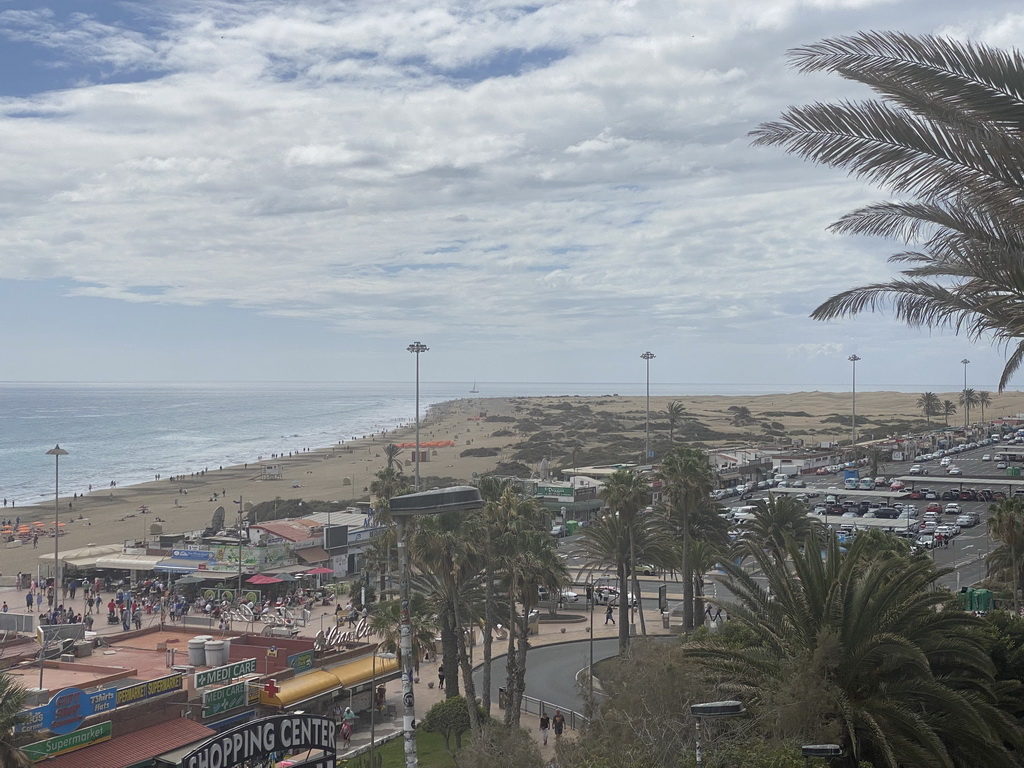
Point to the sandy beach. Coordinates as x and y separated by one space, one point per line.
513 433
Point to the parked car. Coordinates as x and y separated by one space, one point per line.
1001 465
953 509
954 470
986 457
968 519
925 541
934 507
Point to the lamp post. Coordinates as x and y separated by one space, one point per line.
853 359
416 348
827 751
965 362
239 503
712 710
648 356
56 452
373 698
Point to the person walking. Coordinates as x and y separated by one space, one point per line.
440 676
28 602
559 723
609 615
545 725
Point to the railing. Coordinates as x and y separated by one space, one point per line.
532 706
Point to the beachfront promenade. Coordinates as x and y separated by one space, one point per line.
426 696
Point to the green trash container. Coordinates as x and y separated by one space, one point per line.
965 599
1013 471
572 526
983 600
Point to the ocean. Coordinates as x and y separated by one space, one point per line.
129 433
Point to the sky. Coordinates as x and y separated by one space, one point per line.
538 191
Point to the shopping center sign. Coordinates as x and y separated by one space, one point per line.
263 738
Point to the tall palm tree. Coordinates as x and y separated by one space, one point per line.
386 621
12 702
931 406
387 484
777 519
391 452
984 401
945 137
689 480
627 493
948 409
1006 524
855 646
529 558
968 399
674 412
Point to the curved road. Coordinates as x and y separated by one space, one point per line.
551 671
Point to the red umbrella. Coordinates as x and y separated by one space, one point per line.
259 578
318 571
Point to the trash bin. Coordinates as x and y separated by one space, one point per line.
501 698
664 620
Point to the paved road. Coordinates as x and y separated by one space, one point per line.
551 671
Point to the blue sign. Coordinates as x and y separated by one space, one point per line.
192 554
67 709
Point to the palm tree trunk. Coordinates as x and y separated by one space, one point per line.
467 672
449 654
687 573
511 718
636 582
623 609
488 642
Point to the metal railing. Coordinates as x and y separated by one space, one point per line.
573 719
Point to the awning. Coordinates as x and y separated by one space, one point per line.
137 746
326 680
85 557
129 562
312 554
287 569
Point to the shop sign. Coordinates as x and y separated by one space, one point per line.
192 554
263 738
225 674
67 709
554 490
335 637
148 689
219 700
69 742
301 661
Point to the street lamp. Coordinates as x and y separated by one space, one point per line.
240 509
826 751
416 348
965 362
373 698
648 356
56 452
853 359
713 710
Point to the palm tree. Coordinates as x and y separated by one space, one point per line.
12 702
387 484
386 620
689 480
968 399
627 493
945 137
391 452
930 405
1006 524
529 558
948 409
674 412
856 646
776 519
984 400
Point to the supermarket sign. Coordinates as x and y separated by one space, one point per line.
69 742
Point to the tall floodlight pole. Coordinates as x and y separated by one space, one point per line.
240 509
853 359
56 452
416 348
965 363
648 356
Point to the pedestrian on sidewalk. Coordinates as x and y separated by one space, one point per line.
28 602
559 722
440 676
545 725
346 734
609 615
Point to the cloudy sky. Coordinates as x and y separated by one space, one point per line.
261 190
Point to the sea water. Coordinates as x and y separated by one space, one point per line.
130 433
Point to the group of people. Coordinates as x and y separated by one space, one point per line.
546 723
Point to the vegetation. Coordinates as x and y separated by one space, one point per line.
945 137
12 701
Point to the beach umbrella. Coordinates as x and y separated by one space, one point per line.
37 522
318 571
61 524
260 578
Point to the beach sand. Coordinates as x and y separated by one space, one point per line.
510 430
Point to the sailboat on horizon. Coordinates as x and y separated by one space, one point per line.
474 390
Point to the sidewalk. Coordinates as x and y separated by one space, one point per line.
550 633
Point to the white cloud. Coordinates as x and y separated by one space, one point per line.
495 175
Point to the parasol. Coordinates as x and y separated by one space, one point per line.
317 571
